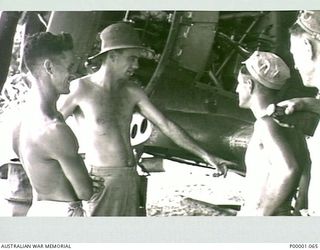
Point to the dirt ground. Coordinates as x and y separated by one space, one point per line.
184 190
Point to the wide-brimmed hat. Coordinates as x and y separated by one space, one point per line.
309 21
268 69
119 36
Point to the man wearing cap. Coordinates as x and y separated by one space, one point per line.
276 155
305 49
103 103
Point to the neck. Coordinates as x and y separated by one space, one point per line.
43 97
259 104
105 77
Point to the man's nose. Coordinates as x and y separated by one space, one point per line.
237 88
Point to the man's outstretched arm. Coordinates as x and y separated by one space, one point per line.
177 134
301 104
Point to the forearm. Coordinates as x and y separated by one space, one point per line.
309 104
182 139
79 179
83 185
84 193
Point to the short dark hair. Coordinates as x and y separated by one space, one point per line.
244 71
45 44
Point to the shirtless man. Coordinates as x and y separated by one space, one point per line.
276 156
103 103
46 146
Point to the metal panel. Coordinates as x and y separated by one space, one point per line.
83 26
195 39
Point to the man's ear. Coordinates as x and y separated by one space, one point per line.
250 85
308 48
47 64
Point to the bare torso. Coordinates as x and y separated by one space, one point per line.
293 138
256 171
105 115
261 161
45 173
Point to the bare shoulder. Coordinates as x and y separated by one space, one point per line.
60 134
80 84
135 90
269 129
267 124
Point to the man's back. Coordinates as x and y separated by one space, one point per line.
38 142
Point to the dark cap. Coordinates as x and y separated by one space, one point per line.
309 21
268 69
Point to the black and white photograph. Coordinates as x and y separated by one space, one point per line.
159 113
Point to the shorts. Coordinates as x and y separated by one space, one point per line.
56 209
122 193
